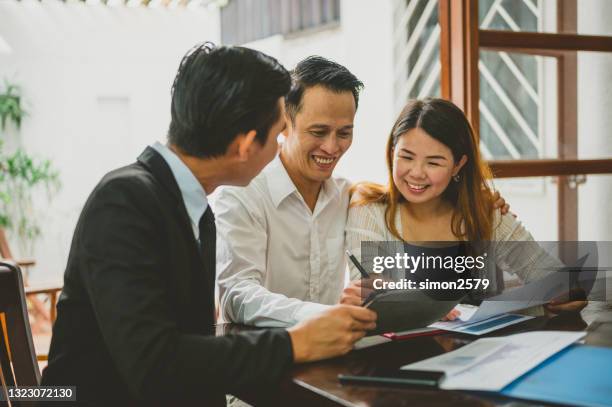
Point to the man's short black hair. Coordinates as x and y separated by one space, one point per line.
220 92
316 70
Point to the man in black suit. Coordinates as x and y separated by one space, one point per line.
136 318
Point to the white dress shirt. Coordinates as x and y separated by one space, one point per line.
279 262
194 196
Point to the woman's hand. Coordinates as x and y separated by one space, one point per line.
452 315
500 203
556 307
573 301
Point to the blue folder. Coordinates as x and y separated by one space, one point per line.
579 375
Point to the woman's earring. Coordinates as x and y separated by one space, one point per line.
456 178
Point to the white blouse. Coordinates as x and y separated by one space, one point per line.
527 260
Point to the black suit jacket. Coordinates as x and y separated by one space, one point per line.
135 320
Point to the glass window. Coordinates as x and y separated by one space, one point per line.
417 51
590 17
514 121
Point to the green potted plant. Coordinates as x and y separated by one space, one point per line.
21 175
10 106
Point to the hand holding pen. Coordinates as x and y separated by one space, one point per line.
357 290
358 265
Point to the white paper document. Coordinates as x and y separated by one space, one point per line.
481 327
490 364
493 309
493 312
490 308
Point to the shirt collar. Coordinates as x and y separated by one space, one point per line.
194 196
279 182
281 185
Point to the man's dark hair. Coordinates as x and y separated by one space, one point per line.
316 70
220 92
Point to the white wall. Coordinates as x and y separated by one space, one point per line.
96 81
594 123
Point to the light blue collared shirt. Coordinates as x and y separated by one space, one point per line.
192 191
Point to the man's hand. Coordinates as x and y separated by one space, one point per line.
500 203
331 333
356 292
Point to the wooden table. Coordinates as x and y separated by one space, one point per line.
316 384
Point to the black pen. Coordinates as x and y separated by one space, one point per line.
354 260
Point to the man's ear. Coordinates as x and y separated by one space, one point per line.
288 125
244 143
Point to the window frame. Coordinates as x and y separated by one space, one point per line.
461 40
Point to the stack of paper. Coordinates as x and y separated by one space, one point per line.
490 364
493 313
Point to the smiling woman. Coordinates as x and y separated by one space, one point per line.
438 192
432 143
423 166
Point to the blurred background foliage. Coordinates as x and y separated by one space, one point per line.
21 175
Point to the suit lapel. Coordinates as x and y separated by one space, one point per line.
158 166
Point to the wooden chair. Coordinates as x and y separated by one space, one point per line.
32 291
47 313
18 364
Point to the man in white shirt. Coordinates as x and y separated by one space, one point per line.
281 239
